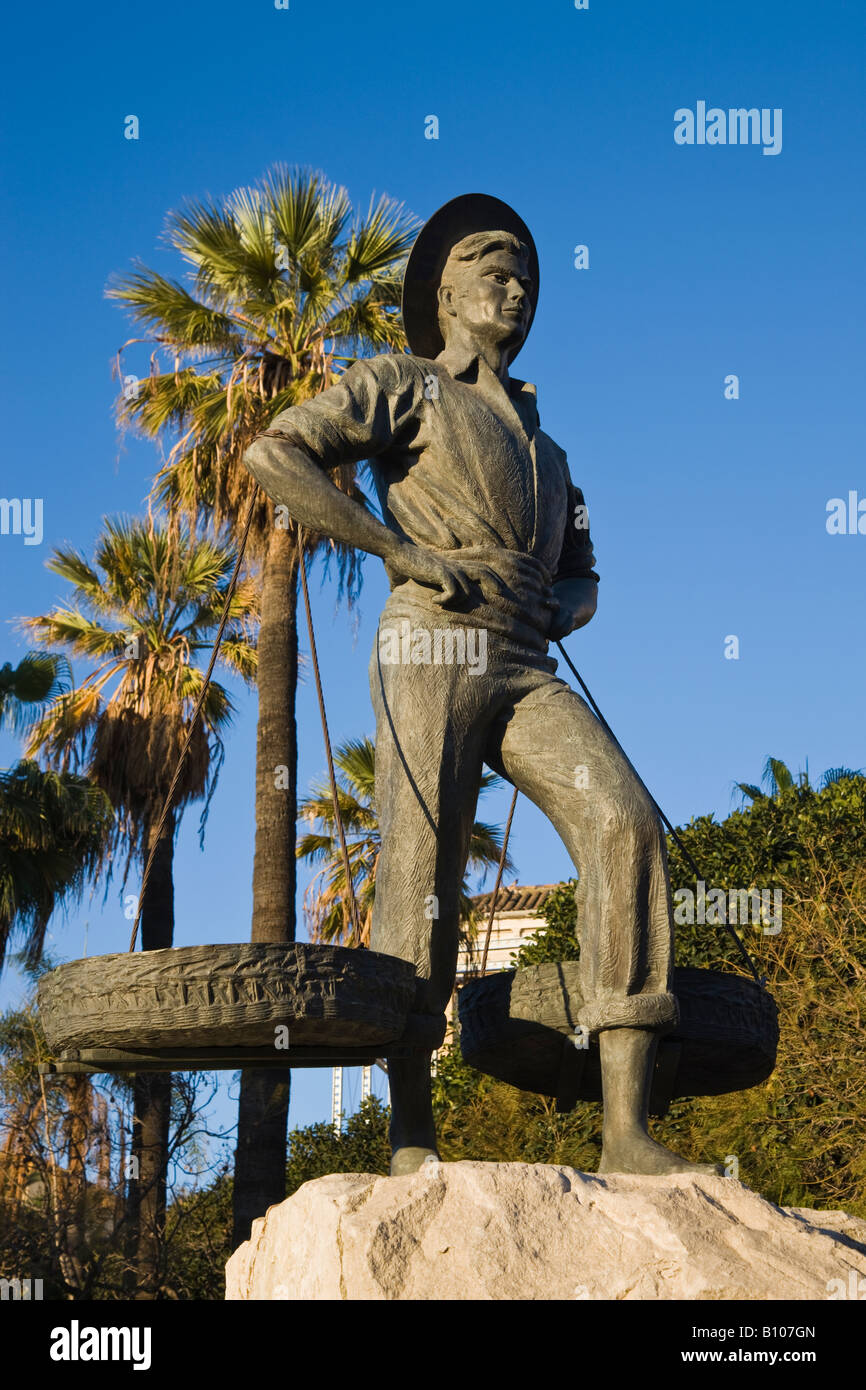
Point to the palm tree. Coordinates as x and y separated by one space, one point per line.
54 828
140 616
286 285
326 899
778 779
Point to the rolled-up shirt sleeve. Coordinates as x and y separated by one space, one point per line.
576 559
369 410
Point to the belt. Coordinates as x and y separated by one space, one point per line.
515 600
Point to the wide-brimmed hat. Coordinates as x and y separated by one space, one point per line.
461 217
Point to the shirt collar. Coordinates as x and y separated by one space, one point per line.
461 361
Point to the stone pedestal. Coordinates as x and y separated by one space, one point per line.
540 1231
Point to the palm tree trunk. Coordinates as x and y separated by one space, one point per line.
151 1095
260 1157
274 869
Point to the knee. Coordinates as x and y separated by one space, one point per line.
628 815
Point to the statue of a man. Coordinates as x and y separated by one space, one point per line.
487 547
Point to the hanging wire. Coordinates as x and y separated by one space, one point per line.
495 894
344 852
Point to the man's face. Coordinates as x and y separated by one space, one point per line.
490 299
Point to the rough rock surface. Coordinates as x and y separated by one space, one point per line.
541 1231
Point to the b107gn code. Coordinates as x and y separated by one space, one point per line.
722 1333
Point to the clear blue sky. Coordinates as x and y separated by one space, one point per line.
708 514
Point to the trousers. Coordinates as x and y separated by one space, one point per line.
442 712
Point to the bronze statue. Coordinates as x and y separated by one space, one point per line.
487 547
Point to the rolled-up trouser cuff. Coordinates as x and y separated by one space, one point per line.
656 1011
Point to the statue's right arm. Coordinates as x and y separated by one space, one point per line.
292 477
360 417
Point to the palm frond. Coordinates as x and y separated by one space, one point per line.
240 656
25 689
383 237
68 627
839 774
308 213
126 724
55 833
177 316
749 791
777 776
62 732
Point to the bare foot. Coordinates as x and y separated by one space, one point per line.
409 1160
637 1153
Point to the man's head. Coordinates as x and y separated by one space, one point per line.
458 279
486 291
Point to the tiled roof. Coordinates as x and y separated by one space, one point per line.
515 898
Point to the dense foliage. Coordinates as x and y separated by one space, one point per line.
798 1139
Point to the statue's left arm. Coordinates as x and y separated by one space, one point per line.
575 584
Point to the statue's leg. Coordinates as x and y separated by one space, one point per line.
413 1132
554 749
428 770
627 1059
